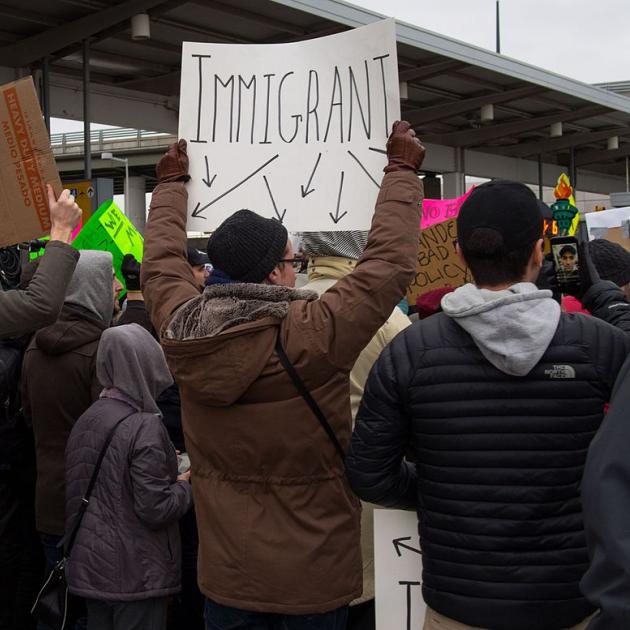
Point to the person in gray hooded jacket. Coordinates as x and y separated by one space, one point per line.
126 557
494 403
59 383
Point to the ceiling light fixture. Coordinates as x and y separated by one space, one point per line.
140 27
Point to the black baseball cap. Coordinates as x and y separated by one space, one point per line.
196 257
507 207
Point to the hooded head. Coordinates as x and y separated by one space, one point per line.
91 284
130 360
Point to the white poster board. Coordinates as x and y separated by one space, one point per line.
605 219
398 571
292 131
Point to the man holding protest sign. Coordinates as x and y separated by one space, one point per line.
278 525
22 312
494 402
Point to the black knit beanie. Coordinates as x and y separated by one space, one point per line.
247 247
611 260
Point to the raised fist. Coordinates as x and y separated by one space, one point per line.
65 215
173 166
404 151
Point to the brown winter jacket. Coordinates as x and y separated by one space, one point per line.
279 528
22 312
58 384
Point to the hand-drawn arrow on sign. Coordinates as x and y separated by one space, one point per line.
305 189
356 159
199 208
279 216
398 544
337 217
207 181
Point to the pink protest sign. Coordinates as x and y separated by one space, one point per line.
438 210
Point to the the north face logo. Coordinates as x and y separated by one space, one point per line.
561 371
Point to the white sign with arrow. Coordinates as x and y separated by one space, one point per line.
398 571
291 131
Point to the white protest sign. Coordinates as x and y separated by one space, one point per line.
606 219
398 571
292 131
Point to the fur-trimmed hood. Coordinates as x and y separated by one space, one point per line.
223 306
231 325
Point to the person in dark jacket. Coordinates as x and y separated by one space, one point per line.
126 558
606 505
494 402
59 383
25 311
135 311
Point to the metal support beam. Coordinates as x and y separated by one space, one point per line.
46 92
426 72
87 149
29 49
476 137
442 112
565 142
540 177
572 170
585 158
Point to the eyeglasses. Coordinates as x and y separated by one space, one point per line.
296 262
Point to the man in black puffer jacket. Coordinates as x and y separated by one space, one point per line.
494 402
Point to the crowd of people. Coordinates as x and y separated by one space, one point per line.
210 454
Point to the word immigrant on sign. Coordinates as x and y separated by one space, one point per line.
438 264
294 132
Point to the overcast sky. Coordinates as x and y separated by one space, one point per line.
586 40
583 39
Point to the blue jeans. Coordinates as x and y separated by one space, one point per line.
225 618
54 554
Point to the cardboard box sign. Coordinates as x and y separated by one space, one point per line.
26 165
618 235
438 264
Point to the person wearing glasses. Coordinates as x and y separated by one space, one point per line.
279 527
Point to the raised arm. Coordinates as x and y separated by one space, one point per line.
23 312
348 315
166 277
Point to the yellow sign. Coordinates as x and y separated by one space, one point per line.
84 194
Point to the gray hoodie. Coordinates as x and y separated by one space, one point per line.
92 284
131 361
512 327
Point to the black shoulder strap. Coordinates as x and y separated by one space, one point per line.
310 401
85 500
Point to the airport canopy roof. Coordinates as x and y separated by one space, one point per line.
448 81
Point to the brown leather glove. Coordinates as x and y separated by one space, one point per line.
404 150
173 165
